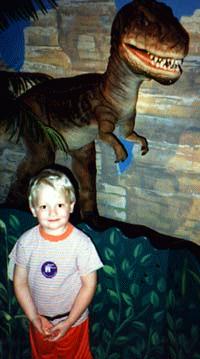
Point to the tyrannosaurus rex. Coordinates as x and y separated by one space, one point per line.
147 42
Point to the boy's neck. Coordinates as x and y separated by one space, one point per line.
56 237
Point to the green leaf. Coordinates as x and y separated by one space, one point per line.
127 298
171 299
99 352
12 239
112 237
138 325
138 250
4 330
172 353
121 340
95 329
2 226
134 289
129 312
195 276
97 307
154 299
145 299
14 222
161 284
106 336
99 289
135 351
194 332
147 259
149 279
112 315
158 316
131 274
109 253
5 315
125 265
155 340
3 293
113 296
171 338
109 270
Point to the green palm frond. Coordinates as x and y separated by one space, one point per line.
16 117
14 10
26 122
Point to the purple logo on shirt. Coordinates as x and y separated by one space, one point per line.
49 269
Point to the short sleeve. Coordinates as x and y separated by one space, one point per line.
88 258
16 256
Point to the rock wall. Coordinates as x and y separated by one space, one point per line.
160 190
72 40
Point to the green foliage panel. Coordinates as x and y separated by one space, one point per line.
145 306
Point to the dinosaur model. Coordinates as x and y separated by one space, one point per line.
147 42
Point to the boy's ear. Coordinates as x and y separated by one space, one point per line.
33 211
72 204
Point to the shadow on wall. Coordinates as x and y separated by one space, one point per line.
186 163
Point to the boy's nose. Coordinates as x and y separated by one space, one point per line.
52 212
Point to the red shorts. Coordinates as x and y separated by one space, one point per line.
74 344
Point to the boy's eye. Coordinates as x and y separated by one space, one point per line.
60 205
43 206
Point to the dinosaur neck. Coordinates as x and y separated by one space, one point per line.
120 84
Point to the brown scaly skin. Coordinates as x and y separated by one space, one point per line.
147 42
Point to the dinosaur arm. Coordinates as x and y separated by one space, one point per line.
106 123
139 139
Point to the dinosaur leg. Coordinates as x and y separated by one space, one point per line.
37 157
84 170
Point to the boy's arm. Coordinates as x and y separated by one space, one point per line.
24 298
81 303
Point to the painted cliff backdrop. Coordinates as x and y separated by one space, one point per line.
160 190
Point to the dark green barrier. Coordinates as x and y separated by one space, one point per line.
146 305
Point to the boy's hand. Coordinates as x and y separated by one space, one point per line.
58 331
46 325
42 325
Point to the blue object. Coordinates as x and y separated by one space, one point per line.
129 146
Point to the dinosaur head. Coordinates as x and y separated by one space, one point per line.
151 41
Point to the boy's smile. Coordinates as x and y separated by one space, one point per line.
53 209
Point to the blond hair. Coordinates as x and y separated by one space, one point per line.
52 178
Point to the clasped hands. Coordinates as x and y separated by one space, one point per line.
50 331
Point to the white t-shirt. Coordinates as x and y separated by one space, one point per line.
54 268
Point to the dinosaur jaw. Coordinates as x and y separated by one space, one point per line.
164 70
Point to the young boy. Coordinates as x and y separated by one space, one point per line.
55 272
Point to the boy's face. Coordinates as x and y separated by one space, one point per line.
52 209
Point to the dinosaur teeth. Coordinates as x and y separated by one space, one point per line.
165 63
